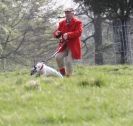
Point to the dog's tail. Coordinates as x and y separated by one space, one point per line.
58 74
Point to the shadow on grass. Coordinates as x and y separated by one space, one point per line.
95 82
55 120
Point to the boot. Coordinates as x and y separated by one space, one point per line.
62 71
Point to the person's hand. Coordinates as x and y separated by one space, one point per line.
65 36
58 33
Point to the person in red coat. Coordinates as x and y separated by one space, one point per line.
69 32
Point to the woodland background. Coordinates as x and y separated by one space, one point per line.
26 31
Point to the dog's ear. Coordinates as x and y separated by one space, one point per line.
34 67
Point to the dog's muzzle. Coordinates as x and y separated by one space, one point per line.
33 71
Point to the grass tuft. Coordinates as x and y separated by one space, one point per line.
98 82
19 81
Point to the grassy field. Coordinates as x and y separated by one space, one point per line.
93 96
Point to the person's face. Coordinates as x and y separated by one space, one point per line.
68 14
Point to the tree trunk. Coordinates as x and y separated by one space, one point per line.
98 40
121 40
124 43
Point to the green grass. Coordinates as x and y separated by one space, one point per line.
93 96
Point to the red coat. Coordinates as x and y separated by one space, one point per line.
74 30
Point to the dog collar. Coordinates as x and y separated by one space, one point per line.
41 67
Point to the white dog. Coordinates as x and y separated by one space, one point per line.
41 69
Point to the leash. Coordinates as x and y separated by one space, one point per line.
53 55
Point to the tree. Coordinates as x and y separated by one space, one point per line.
96 19
25 30
113 10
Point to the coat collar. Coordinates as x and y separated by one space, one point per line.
71 21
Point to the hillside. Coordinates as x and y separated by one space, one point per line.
93 96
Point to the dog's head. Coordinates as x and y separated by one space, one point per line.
33 70
37 68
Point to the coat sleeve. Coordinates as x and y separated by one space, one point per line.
77 32
58 29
